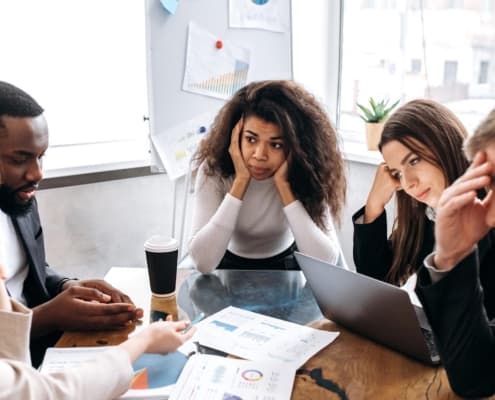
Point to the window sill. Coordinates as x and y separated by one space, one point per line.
358 152
111 161
95 162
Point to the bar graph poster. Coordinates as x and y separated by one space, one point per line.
214 67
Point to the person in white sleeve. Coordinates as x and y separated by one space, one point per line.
270 180
105 377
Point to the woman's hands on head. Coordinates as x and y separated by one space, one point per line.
242 175
383 188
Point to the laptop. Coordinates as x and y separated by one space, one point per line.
369 307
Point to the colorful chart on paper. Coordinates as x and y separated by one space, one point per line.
211 71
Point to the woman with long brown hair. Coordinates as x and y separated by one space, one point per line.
421 146
271 179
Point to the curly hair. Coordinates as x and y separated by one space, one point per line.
433 132
316 170
14 102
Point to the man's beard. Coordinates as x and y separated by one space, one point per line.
9 203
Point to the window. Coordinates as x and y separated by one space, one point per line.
483 74
450 73
416 66
85 63
396 50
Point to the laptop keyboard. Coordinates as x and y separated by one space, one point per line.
430 343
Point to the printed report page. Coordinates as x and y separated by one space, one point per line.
219 378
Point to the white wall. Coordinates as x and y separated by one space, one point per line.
90 228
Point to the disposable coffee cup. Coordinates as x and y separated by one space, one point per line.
161 259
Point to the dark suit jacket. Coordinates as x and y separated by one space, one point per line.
459 308
42 282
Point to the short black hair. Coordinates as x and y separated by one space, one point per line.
15 102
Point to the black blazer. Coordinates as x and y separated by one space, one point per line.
372 250
459 308
42 282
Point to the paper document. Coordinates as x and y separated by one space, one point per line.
257 337
154 374
219 378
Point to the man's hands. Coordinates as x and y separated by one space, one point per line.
461 216
242 175
113 295
384 187
85 305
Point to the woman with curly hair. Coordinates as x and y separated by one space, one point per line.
421 145
270 180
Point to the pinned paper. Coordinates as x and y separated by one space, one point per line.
257 14
212 68
177 144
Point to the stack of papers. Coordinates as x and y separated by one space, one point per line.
272 351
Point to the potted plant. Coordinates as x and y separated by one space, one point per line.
374 116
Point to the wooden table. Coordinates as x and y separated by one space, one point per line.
352 367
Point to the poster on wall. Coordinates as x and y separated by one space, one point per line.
257 14
214 67
176 145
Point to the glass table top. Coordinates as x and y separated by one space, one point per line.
279 294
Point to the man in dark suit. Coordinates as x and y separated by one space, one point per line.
58 303
456 303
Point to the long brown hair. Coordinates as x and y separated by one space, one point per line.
316 169
432 131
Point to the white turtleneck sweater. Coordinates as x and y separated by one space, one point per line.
256 227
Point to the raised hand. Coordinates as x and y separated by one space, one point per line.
461 216
242 175
383 188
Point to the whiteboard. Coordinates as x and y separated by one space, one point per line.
171 107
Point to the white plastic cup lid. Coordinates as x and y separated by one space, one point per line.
160 244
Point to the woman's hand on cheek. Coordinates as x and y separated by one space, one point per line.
242 175
282 173
281 181
382 191
241 170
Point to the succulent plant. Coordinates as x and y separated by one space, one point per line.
377 112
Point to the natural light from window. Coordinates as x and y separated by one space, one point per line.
444 50
85 63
